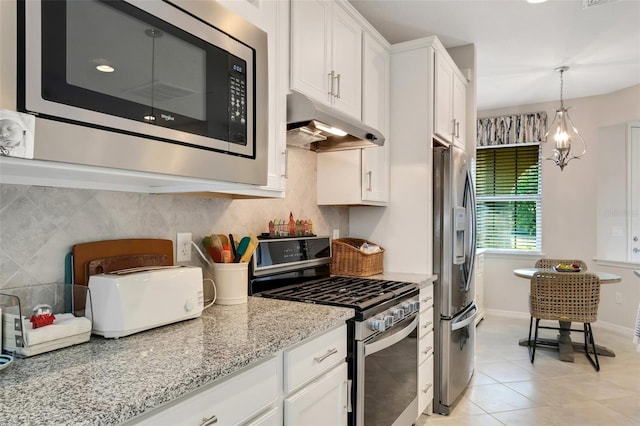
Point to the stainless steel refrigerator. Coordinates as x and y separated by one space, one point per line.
453 261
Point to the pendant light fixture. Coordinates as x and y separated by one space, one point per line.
563 134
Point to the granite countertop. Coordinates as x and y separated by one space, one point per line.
109 381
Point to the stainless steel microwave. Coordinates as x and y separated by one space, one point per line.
168 87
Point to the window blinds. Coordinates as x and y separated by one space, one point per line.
508 197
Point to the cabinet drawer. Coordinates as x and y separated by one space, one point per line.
314 357
232 401
425 346
426 298
425 384
426 322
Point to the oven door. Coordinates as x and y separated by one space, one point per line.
387 374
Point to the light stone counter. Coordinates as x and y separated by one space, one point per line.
107 381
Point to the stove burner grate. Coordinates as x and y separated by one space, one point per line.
352 292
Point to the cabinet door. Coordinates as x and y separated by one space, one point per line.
443 98
311 48
322 402
375 107
346 63
459 110
425 385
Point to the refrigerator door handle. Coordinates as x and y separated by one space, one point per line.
460 323
470 200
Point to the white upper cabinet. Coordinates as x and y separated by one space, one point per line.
449 116
361 177
326 54
375 112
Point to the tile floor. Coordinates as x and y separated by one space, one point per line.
508 390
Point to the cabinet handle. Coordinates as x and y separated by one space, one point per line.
425 390
426 299
369 176
206 421
285 153
453 127
458 129
427 324
427 350
331 78
338 78
330 352
349 389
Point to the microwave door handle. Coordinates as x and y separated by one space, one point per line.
394 338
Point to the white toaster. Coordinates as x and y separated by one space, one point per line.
133 300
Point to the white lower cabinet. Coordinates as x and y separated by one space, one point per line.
235 401
425 352
315 381
305 384
322 402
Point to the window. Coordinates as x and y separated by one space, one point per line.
508 192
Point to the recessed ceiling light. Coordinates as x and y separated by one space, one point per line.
536 1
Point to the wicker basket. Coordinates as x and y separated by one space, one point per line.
347 259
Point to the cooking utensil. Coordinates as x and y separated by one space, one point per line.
242 248
232 244
224 240
216 248
253 244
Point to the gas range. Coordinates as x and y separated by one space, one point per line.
297 269
381 338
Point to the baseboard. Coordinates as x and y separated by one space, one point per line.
602 325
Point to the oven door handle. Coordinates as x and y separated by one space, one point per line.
372 348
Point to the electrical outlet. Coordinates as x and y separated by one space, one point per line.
183 247
619 298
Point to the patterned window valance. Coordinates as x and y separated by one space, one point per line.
512 129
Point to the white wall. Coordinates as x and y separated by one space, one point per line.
569 212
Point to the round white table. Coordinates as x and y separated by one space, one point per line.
564 344
605 277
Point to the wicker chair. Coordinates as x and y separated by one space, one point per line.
550 263
567 297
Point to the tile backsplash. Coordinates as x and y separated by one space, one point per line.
39 225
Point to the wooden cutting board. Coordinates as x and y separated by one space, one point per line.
111 255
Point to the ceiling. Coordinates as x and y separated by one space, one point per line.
518 44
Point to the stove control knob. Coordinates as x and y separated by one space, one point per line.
388 320
408 307
416 306
377 325
398 314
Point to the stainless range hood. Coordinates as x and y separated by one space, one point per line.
319 127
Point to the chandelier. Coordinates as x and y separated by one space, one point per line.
563 133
